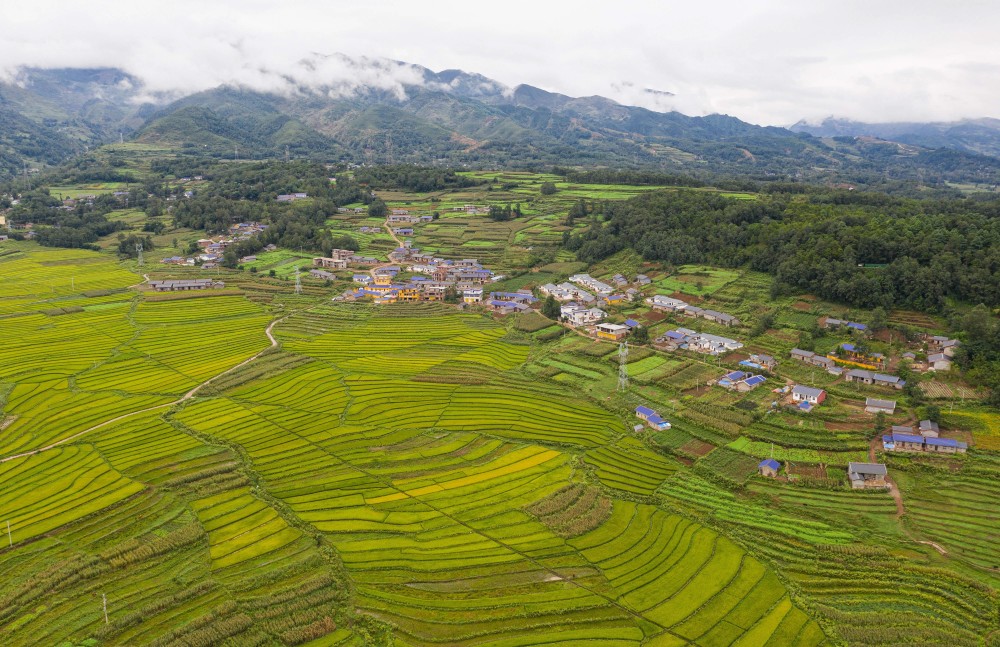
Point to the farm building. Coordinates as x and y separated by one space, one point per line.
185 285
323 274
614 332
403 231
740 381
760 361
874 405
642 279
632 324
769 467
292 197
867 475
808 394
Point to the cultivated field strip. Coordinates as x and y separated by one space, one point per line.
41 493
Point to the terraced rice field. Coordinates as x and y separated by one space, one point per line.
404 473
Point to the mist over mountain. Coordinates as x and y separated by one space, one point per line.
370 110
980 136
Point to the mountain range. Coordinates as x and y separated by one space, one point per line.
391 112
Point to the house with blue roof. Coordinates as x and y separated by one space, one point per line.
632 323
898 442
652 418
769 467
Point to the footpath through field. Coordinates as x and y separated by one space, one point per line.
187 396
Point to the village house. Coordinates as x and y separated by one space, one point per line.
517 297
720 317
896 442
651 418
808 396
874 405
642 279
591 283
740 381
323 274
330 263
506 307
870 377
362 279
811 358
472 295
580 315
183 285
566 292
709 344
614 332
831 323
938 362
619 280
759 360
291 197
665 303
614 299
867 475
769 468
929 429
175 260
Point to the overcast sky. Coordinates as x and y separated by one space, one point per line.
765 61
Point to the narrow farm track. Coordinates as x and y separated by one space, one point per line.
187 396
897 497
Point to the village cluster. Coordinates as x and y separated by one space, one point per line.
212 249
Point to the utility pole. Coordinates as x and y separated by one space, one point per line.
236 153
298 282
138 252
104 597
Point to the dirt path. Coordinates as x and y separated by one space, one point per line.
187 396
893 488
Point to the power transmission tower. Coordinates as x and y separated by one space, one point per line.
623 366
298 282
138 252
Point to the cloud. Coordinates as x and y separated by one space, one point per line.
770 61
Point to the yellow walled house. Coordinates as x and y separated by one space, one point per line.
614 332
